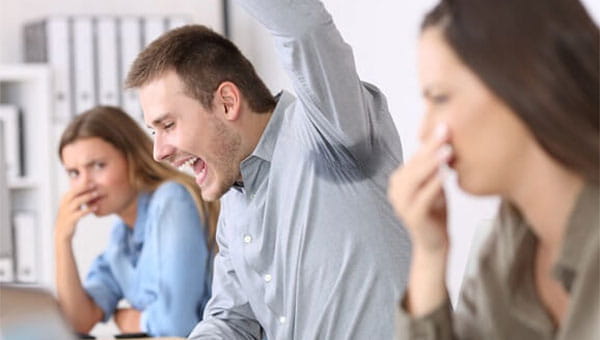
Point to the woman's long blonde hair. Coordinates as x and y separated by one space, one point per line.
116 127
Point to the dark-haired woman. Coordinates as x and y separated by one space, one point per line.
512 91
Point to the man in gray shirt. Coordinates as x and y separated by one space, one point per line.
309 247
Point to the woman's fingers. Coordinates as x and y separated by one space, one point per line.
430 198
79 201
417 194
407 182
425 163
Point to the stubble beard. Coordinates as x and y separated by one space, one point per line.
227 159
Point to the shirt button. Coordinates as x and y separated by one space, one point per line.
252 196
247 238
268 278
282 319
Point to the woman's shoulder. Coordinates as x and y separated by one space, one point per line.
171 190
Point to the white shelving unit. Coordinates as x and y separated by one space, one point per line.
29 87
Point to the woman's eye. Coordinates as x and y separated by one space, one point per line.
72 174
169 125
439 98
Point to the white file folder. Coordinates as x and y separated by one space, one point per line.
6 248
154 27
84 57
26 246
6 270
49 41
59 57
108 76
130 45
9 115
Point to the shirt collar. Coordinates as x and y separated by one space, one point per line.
141 217
266 144
255 166
580 235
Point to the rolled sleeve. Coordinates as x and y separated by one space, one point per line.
228 314
435 325
102 287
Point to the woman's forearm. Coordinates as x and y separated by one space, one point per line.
427 281
81 311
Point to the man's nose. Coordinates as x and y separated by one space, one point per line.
161 151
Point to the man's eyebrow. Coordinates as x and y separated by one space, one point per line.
158 120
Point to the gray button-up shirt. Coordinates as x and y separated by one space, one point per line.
310 247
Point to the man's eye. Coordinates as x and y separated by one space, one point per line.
169 125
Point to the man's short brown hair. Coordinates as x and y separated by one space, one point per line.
203 60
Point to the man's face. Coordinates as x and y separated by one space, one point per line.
188 134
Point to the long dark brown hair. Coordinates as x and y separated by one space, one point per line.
116 127
542 59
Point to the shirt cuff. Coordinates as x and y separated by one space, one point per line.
435 325
103 298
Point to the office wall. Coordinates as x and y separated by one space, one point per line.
13 13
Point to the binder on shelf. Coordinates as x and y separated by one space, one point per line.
6 247
108 77
130 29
84 70
154 27
6 270
49 41
13 160
26 247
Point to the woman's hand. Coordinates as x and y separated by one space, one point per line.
73 207
128 320
417 195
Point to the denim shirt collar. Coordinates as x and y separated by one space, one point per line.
141 218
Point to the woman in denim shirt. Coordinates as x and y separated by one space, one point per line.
160 251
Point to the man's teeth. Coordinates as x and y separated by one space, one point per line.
188 163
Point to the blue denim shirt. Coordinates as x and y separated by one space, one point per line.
161 266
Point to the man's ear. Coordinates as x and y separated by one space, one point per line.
228 100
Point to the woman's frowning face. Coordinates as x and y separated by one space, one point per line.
490 142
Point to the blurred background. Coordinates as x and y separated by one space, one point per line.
60 57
